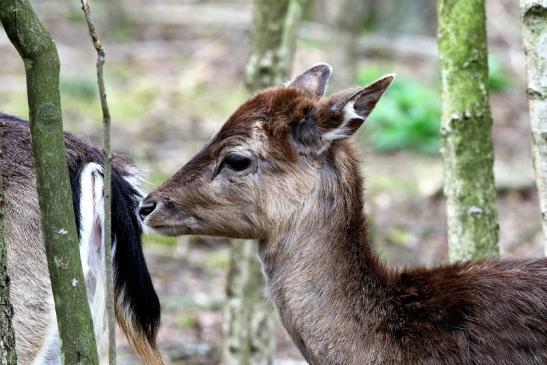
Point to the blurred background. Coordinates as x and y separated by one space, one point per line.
175 72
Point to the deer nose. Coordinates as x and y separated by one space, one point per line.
146 208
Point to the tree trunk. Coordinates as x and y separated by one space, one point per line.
248 329
291 29
7 336
534 34
344 19
267 65
466 130
41 60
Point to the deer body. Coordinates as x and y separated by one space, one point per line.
282 171
342 306
137 305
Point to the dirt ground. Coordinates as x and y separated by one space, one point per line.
174 76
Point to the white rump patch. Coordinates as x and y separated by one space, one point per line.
92 257
92 247
342 131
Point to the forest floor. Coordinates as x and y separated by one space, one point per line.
173 79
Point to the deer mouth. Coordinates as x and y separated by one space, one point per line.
161 217
172 226
167 230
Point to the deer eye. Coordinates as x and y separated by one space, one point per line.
236 162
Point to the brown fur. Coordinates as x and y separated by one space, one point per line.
302 197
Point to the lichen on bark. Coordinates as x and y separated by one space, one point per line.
467 147
248 316
41 61
534 35
266 66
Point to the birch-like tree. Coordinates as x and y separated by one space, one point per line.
466 130
41 61
248 328
7 336
534 35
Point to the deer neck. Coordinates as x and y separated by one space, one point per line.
322 276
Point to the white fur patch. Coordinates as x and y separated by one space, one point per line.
342 131
92 257
92 247
50 351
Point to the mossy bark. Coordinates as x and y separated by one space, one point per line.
41 61
248 327
534 35
249 320
7 335
266 66
466 130
291 29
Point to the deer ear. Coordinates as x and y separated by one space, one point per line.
313 81
355 105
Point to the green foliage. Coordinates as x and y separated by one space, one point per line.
217 260
407 117
498 80
157 240
79 87
187 321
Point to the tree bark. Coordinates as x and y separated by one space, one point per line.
248 328
534 35
41 61
466 130
291 30
7 335
267 66
344 19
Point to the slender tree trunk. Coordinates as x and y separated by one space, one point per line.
291 29
534 34
248 329
7 336
267 65
107 171
39 55
466 130
344 19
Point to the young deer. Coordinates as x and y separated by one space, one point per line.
282 171
137 305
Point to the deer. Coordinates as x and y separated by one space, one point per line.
283 171
137 307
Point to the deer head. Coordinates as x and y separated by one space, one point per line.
264 167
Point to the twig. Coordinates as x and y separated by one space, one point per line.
101 55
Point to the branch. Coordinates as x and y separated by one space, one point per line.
111 316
